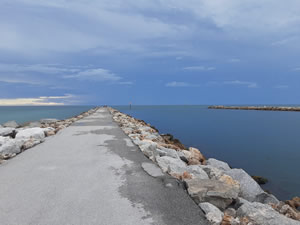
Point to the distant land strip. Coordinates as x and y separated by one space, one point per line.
265 108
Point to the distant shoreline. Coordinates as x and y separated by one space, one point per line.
264 108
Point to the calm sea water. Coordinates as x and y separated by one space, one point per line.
22 114
264 143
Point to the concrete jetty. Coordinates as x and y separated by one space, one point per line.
90 173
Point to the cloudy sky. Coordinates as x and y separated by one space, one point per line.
149 52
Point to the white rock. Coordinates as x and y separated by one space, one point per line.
249 188
212 213
171 165
6 131
218 164
36 133
8 146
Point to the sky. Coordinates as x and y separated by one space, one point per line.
149 52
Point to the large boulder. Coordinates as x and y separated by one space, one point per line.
196 155
7 131
197 172
266 198
12 124
215 192
148 148
213 172
162 151
171 165
263 214
8 146
249 188
218 164
35 133
212 213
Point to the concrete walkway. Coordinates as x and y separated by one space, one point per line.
90 173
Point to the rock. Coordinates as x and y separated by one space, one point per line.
260 180
7 131
263 214
36 133
167 152
266 198
169 139
218 164
152 169
229 220
197 172
149 149
49 120
212 172
171 165
294 203
249 188
231 212
30 143
194 161
288 211
212 213
49 133
12 124
32 124
196 154
8 146
216 192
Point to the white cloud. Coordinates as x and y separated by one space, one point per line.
282 86
50 100
95 75
234 60
39 68
177 84
296 69
199 68
241 83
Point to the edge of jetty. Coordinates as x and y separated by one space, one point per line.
263 108
226 195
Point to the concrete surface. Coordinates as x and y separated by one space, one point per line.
90 173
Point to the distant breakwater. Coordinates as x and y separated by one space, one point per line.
264 108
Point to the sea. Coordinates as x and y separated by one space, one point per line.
263 143
22 114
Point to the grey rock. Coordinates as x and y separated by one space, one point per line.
215 192
7 131
8 146
218 164
197 172
167 152
36 133
230 212
171 165
152 169
249 188
212 213
266 198
263 214
212 172
12 124
148 148
49 120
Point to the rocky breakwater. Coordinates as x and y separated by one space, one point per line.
264 108
227 196
15 138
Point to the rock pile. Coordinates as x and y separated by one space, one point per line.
227 196
15 139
